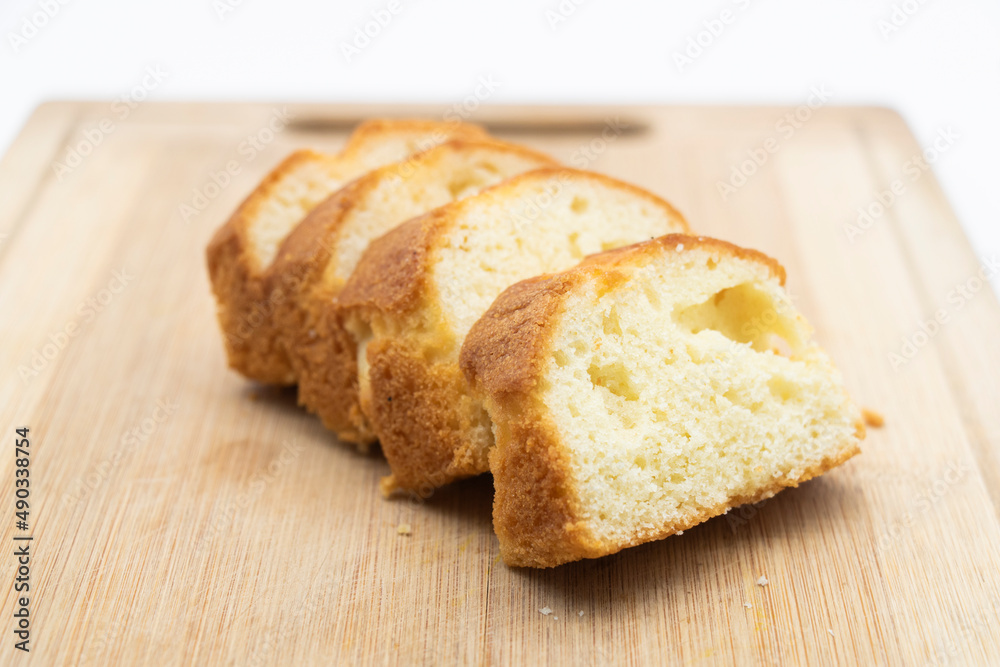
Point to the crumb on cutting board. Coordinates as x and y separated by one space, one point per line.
404 529
872 418
762 581
545 611
748 605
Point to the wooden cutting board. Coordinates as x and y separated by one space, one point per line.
181 515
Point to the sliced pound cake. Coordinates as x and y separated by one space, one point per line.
320 254
247 243
418 290
645 391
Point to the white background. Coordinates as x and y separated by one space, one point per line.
940 68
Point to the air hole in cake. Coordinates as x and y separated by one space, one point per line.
740 399
489 167
463 183
744 314
778 345
579 205
782 389
615 378
611 324
363 334
574 245
652 295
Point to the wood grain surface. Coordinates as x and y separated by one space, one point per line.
181 515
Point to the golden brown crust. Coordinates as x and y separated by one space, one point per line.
436 132
245 305
536 519
534 507
385 278
295 278
322 353
391 282
536 513
304 250
634 190
627 254
392 273
393 270
328 384
237 223
301 271
389 279
420 431
502 350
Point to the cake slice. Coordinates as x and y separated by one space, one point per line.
248 242
320 254
645 391
405 311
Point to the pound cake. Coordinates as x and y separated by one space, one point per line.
418 290
248 242
646 390
318 256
